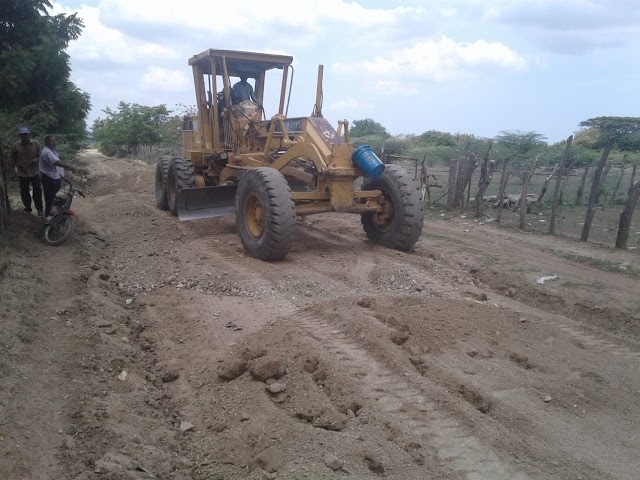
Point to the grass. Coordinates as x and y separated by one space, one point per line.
602 264
26 337
9 243
28 321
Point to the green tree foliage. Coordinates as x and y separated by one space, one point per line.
435 138
519 146
35 71
366 128
625 130
131 126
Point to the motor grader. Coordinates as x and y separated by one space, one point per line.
270 170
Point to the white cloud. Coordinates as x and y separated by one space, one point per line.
165 80
439 59
101 43
249 15
347 104
393 87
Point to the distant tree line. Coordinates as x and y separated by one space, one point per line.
138 130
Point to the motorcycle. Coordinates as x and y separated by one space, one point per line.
60 223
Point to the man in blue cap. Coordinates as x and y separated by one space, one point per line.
23 158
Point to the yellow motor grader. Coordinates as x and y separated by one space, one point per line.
269 170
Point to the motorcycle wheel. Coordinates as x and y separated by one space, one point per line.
58 230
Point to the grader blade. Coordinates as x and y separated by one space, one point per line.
206 202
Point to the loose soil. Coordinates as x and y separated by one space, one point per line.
144 348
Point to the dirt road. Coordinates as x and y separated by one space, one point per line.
149 348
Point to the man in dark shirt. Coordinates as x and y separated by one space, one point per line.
23 158
243 91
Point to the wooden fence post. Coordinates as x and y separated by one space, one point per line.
566 179
595 188
581 187
454 171
556 191
523 195
486 174
612 198
626 215
504 178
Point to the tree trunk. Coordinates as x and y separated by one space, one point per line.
460 173
546 182
5 206
595 188
486 174
504 178
612 198
556 191
581 187
626 215
523 195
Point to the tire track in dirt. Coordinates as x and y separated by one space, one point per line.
566 324
588 336
462 452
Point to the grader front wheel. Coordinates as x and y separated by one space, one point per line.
399 224
162 170
179 176
265 213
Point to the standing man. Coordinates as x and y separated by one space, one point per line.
24 159
51 169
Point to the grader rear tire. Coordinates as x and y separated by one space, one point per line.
179 176
265 213
399 225
162 170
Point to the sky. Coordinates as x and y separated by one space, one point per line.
460 66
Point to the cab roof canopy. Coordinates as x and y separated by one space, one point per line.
246 62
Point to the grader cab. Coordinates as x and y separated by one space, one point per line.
269 170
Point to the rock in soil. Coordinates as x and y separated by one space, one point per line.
331 461
232 369
267 367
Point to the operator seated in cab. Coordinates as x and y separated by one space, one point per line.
243 91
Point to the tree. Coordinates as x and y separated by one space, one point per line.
367 127
132 126
625 131
521 146
435 138
35 71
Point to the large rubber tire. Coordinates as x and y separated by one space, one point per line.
59 230
162 170
179 176
265 213
399 225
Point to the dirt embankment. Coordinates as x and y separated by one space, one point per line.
149 348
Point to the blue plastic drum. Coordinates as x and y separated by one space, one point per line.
367 161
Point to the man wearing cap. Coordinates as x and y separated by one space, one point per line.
23 158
